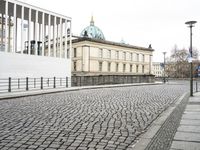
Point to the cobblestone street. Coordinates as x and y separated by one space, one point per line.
108 118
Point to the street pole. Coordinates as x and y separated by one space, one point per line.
191 24
164 79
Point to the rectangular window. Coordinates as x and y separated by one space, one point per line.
137 57
100 66
109 67
117 67
131 56
68 53
143 58
74 52
124 55
124 67
109 53
131 68
117 54
74 65
137 68
100 53
143 69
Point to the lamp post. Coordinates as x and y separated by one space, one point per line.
190 25
164 79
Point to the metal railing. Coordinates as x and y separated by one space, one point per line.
8 85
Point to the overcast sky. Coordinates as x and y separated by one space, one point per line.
160 23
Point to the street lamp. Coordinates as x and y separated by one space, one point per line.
164 79
190 25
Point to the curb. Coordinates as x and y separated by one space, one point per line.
145 139
50 91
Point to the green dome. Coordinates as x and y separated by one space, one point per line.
92 31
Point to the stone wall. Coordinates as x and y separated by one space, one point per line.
111 79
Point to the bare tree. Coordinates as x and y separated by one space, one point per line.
178 65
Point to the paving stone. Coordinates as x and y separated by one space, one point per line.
186 136
183 145
110 117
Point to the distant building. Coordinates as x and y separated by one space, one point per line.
92 55
26 50
158 69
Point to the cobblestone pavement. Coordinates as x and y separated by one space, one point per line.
109 118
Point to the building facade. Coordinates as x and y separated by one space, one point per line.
92 55
158 69
26 36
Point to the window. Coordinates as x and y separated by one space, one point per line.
74 65
143 58
117 67
74 52
124 67
131 68
100 53
100 66
109 53
68 54
143 69
131 56
137 57
109 66
137 68
124 56
117 54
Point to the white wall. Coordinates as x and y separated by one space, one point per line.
22 65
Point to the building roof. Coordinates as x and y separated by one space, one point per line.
92 31
80 39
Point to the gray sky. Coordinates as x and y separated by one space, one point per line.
138 22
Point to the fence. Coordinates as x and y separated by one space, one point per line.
110 79
8 85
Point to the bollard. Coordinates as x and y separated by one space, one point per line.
196 86
41 82
9 84
54 82
66 81
18 84
26 83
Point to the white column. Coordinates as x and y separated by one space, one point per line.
9 33
29 32
22 30
57 40
43 36
14 28
66 39
70 46
54 37
2 31
16 32
70 39
36 31
150 63
49 36
6 26
61 37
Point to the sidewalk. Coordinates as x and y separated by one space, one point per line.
187 136
177 128
48 91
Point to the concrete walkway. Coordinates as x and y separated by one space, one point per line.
177 128
187 136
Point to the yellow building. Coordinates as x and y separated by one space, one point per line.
92 55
